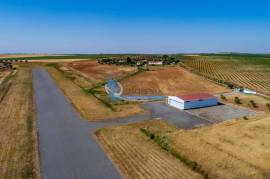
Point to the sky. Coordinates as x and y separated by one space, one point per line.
134 26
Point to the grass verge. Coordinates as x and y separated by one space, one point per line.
163 142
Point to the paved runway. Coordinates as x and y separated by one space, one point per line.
66 143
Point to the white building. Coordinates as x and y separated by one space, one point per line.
245 90
155 63
191 101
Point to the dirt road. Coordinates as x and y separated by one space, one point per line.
67 146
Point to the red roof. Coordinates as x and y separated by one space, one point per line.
196 96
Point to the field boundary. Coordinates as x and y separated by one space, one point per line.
162 142
94 135
36 153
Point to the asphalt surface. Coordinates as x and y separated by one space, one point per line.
66 143
179 118
223 112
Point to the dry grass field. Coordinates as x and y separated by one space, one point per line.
250 72
245 101
236 149
99 73
87 105
18 153
3 74
168 81
138 157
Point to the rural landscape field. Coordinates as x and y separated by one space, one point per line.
142 138
248 71
149 145
19 153
134 89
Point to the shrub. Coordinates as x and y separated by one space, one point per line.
245 118
253 103
237 100
223 97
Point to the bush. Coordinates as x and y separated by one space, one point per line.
253 103
237 100
223 97
245 118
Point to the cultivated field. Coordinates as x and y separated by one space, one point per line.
98 73
138 157
168 81
18 154
87 104
247 71
236 149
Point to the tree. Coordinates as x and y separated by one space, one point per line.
165 57
237 100
253 103
223 97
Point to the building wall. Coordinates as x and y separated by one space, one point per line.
180 104
176 102
199 104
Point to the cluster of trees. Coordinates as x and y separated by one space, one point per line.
167 60
237 100
139 60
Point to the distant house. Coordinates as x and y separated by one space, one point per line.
191 101
155 63
245 90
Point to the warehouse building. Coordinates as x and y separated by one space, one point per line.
191 101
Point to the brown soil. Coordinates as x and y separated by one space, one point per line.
98 72
86 104
169 81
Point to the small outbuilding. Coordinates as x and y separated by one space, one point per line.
191 101
155 63
245 91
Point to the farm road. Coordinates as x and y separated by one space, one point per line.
67 148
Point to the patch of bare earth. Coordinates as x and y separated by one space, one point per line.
87 105
18 154
99 73
169 81
136 156
235 149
